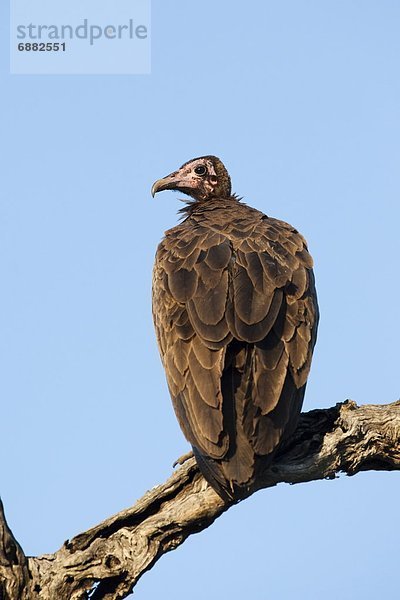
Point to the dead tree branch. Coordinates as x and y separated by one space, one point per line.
106 561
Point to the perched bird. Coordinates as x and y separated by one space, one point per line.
235 313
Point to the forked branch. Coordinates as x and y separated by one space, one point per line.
106 561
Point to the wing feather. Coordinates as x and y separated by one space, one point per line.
236 317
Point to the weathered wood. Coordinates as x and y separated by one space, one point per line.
14 573
106 561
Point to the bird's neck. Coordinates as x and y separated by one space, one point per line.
201 206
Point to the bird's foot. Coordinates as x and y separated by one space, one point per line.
182 459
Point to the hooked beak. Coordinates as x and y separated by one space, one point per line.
170 182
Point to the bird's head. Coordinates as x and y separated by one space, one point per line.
201 178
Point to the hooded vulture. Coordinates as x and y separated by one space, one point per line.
235 313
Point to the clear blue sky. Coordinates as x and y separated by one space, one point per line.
301 101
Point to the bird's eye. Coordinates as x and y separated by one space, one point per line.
200 170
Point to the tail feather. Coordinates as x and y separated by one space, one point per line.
214 475
254 437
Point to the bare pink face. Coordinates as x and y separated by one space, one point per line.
201 178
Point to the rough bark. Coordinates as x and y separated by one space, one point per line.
106 561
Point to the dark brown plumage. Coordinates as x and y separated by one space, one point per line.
235 312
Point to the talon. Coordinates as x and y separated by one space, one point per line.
182 459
